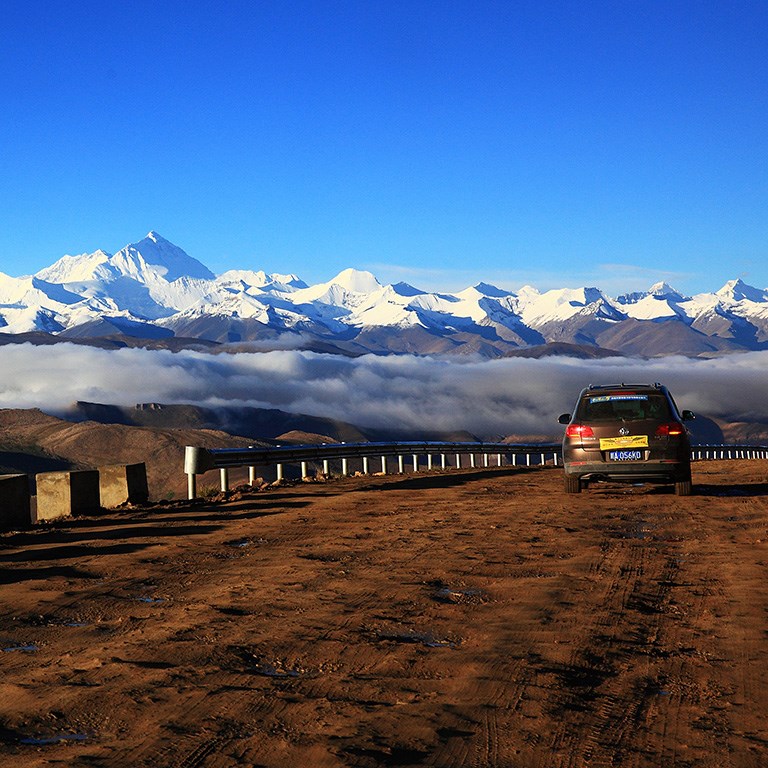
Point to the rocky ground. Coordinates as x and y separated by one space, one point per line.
471 618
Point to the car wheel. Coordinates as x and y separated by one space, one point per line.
572 484
683 487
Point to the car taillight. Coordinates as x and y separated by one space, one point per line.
579 430
670 430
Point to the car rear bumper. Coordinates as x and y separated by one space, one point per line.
641 471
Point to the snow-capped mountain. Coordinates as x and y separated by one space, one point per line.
152 289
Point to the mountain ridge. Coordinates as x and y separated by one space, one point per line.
153 289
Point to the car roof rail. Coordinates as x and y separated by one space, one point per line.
657 385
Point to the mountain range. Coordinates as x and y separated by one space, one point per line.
153 292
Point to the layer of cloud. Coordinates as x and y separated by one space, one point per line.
489 398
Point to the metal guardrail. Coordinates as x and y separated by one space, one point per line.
200 460
197 461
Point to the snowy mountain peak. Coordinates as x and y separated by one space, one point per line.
662 289
738 290
170 261
356 281
486 289
74 269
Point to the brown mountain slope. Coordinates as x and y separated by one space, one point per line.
31 441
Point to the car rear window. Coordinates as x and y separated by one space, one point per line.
623 407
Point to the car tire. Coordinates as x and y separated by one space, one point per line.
572 484
683 487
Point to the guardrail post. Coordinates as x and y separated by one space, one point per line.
429 462
224 478
485 459
326 468
527 459
458 461
400 463
365 465
303 470
472 460
383 465
251 475
442 461
415 463
543 462
498 459
514 459
279 468
345 467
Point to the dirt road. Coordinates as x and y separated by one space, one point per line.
474 618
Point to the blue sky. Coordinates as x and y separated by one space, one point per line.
603 143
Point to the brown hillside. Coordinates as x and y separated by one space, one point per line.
31 440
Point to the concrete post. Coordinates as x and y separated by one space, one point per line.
61 494
123 484
458 461
415 463
304 472
527 459
251 476
326 468
498 459
383 465
224 478
442 461
279 470
344 467
365 465
472 460
400 464
429 462
486 460
14 501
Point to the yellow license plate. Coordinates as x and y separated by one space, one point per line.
630 441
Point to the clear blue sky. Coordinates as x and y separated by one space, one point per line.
559 143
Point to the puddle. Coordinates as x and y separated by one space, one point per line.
40 741
465 595
30 648
150 600
419 638
240 543
267 670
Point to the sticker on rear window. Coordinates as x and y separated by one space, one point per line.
609 398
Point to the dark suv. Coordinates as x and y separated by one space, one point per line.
626 433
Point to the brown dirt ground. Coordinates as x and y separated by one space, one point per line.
468 618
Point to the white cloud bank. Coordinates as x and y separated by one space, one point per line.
488 398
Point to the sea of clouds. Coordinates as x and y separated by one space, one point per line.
490 398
